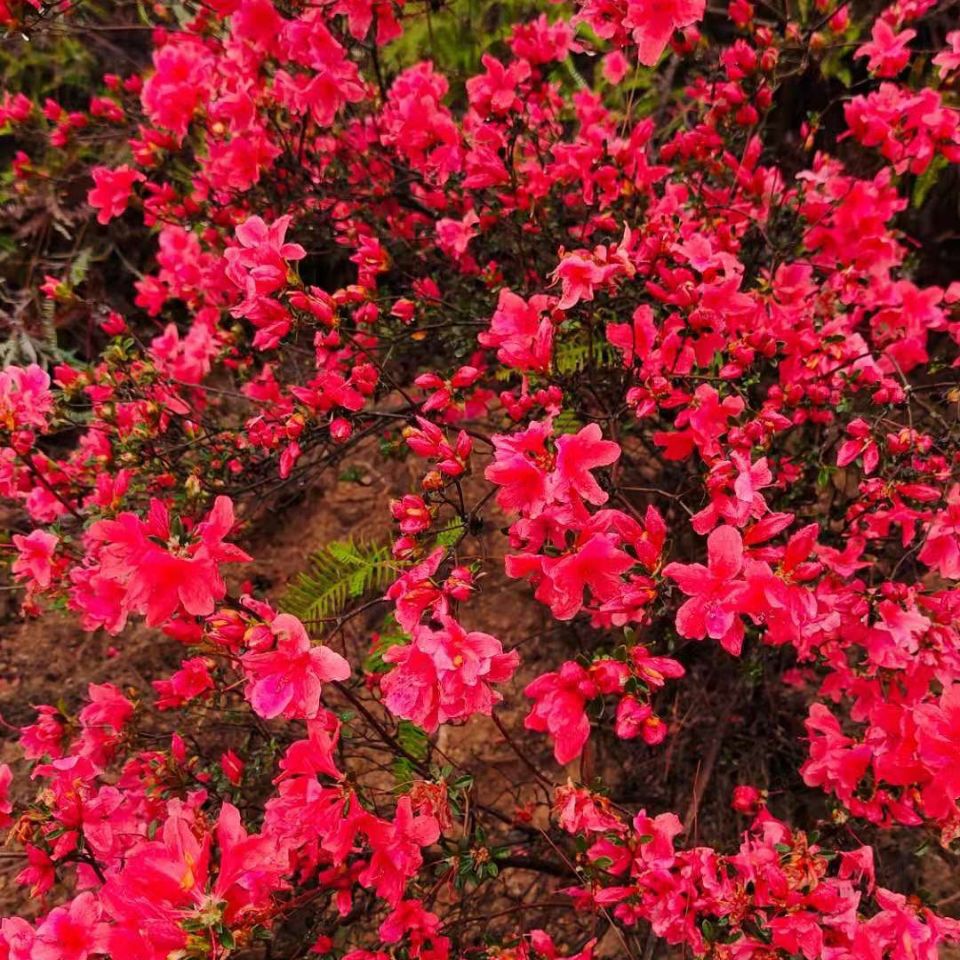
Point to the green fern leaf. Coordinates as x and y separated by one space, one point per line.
574 356
451 535
566 422
340 572
80 267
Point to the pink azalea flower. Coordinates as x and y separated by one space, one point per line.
578 810
71 933
396 850
836 762
415 592
183 573
636 719
6 804
111 191
747 799
412 513
43 737
861 443
578 274
232 767
520 468
252 866
412 689
258 264
409 919
577 455
288 679
454 236
35 560
888 51
446 674
186 358
941 548
315 754
40 874
715 594
108 708
189 682
521 331
948 60
654 671
560 701
634 340
705 420
938 743
495 91
179 85
653 22
101 600
615 67
597 564
25 398
17 937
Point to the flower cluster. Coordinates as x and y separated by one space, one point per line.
635 352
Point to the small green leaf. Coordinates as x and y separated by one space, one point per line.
927 180
413 740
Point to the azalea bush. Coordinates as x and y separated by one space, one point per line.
630 302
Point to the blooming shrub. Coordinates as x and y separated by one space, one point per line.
695 376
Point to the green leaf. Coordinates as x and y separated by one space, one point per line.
927 180
575 355
343 570
374 663
80 266
449 536
413 740
403 774
566 422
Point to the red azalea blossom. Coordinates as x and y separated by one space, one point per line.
287 680
467 361
715 593
111 191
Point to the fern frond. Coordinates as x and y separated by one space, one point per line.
566 422
573 356
80 266
342 571
450 536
